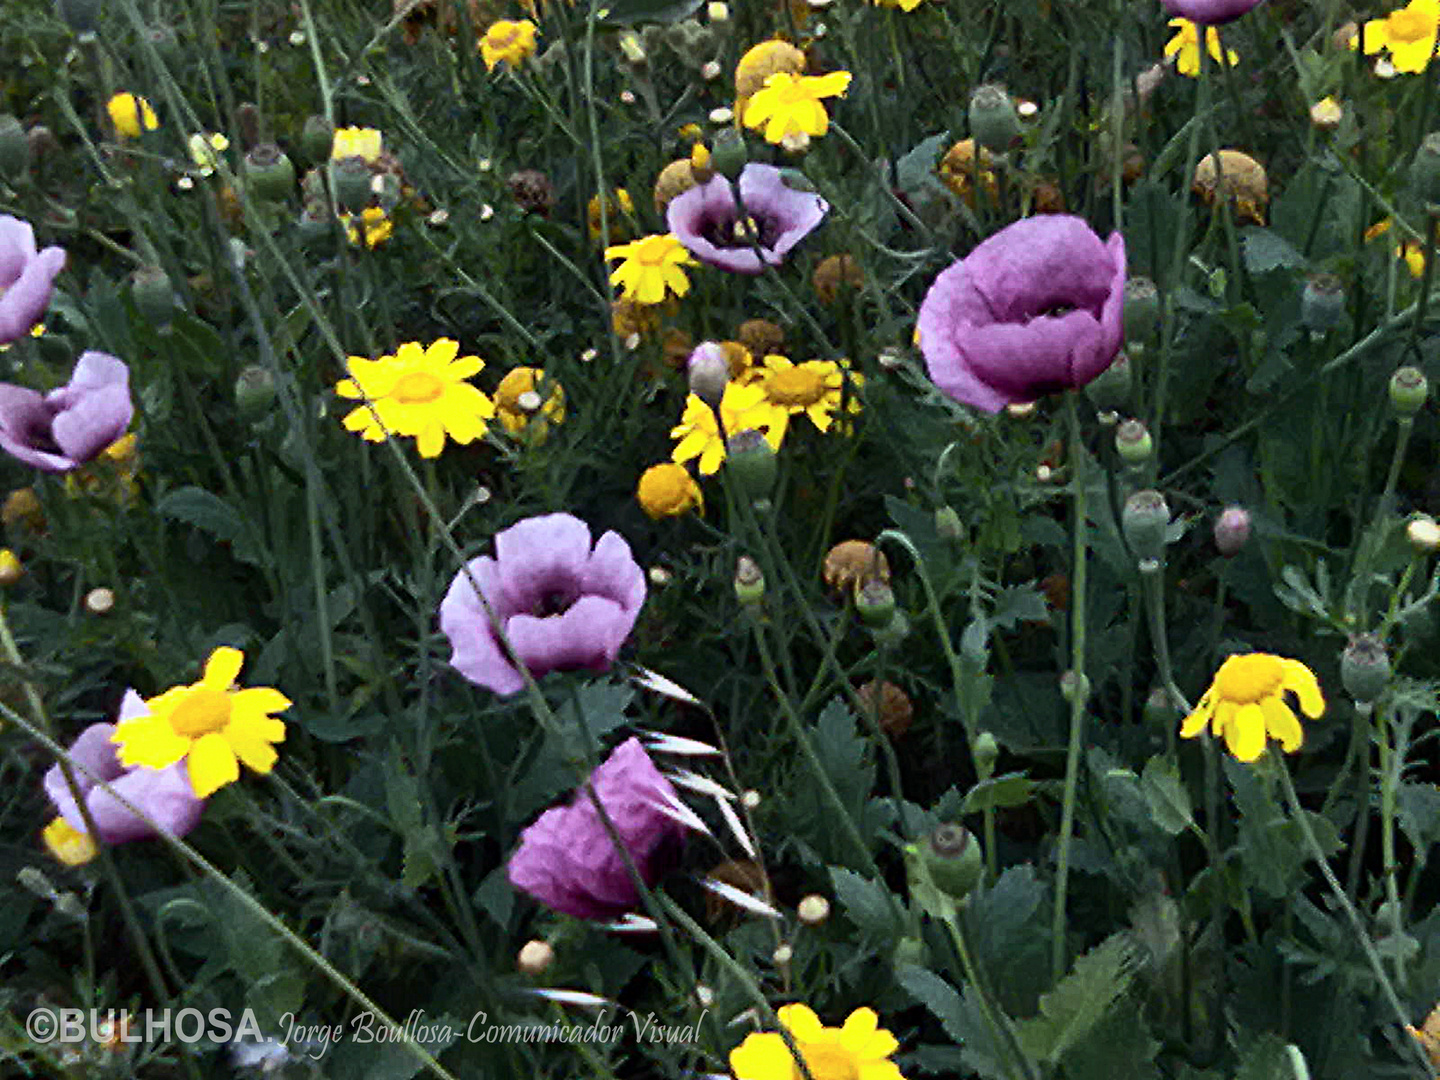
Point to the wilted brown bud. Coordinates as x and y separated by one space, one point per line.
889 705
833 274
851 563
533 191
957 170
675 179
1237 176
22 507
761 336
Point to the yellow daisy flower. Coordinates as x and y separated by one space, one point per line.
758 64
1246 703
212 723
790 104
375 223
858 1051
364 143
653 266
418 393
903 5
507 40
814 388
68 844
1407 34
668 490
516 410
130 113
1185 47
741 407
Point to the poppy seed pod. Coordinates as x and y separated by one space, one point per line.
875 604
1114 387
1409 390
1322 303
1365 668
1232 530
269 173
14 149
254 392
316 139
1133 443
154 295
993 120
1142 311
1425 169
750 460
351 177
749 582
953 858
1145 518
729 154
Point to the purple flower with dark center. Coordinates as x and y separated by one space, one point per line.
164 794
1209 12
560 604
65 428
1035 308
27 278
708 222
568 861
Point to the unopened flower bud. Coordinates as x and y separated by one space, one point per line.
749 582
254 392
1408 390
875 603
1322 303
534 957
1072 684
154 295
351 177
269 173
316 139
1133 442
750 799
750 461
813 909
1425 170
11 570
1142 311
728 153
1326 114
14 149
953 858
783 954
1365 668
1423 534
1232 529
986 753
993 121
1145 518
99 601
1114 387
717 11
948 525
709 371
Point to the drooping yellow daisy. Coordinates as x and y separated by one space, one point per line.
508 40
365 143
668 490
790 104
375 223
1408 35
1246 703
418 393
518 401
741 407
814 388
1185 47
204 148
68 844
858 1051
130 114
652 266
212 723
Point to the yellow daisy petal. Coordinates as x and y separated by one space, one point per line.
1281 725
212 765
1306 687
1245 734
223 667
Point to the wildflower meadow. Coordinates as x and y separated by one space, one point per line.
768 539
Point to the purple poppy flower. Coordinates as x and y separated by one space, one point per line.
561 605
1209 12
1036 307
706 220
567 860
65 428
164 794
26 278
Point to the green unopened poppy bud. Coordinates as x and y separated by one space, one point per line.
986 753
1425 170
875 603
728 153
154 295
893 632
953 858
948 525
1072 684
994 123
14 149
254 392
1144 520
351 177
1322 303
1365 668
1133 442
82 16
708 370
316 139
1113 388
269 173
1232 529
1142 311
1408 390
749 582
750 460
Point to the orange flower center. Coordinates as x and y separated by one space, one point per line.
418 388
796 387
827 1061
203 711
1248 679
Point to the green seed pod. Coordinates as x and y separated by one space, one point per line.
316 228
269 173
1133 443
1365 668
1144 520
154 296
875 603
14 149
1142 311
1322 303
749 582
351 177
1425 170
316 139
986 753
750 461
254 392
728 153
1408 391
1114 387
994 123
954 860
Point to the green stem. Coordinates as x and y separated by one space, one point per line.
1392 761
1000 1033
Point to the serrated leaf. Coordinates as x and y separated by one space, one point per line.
1266 250
916 167
211 514
1018 603
1079 1001
864 902
1168 800
1012 789
1118 1046
1418 809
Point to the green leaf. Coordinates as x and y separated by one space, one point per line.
213 515
960 1017
915 169
1266 250
1011 789
1079 1001
1418 807
865 903
1019 603
1264 1058
1168 799
1118 1046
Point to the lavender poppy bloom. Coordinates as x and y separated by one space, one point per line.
1036 307
706 220
164 794
27 278
1209 12
561 605
65 428
567 860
